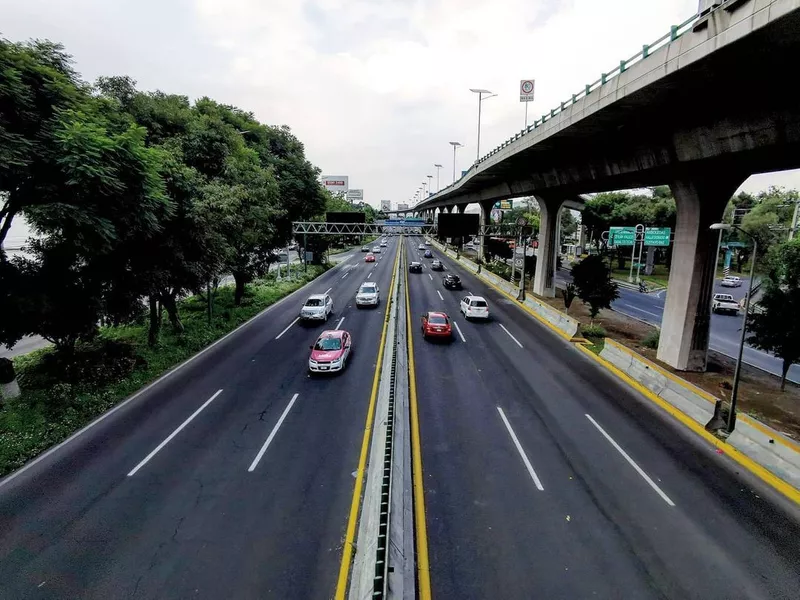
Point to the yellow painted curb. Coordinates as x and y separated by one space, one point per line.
420 523
704 394
764 474
355 504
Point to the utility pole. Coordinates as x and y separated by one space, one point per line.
438 185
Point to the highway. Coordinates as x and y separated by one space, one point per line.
158 500
725 329
547 478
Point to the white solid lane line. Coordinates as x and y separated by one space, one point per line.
511 336
461 335
277 337
173 434
339 324
440 295
431 276
528 465
272 433
631 462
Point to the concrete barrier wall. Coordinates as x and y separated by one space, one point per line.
557 319
751 437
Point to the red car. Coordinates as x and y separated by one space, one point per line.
436 325
369 257
331 351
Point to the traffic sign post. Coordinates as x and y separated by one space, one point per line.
526 89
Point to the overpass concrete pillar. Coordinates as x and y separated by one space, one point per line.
462 208
544 281
700 201
486 214
449 209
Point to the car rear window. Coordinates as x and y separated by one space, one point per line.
482 303
437 320
314 302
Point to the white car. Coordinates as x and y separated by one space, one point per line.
421 247
368 294
724 303
731 281
376 250
318 307
474 307
384 244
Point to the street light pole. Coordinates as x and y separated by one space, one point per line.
456 146
430 177
480 93
438 185
737 371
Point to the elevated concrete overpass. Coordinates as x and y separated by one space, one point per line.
700 110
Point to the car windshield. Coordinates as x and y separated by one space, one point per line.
314 302
437 320
482 303
367 289
453 278
328 344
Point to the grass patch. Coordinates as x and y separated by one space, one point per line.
593 331
651 339
659 277
596 345
59 397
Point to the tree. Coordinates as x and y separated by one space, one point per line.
593 284
569 226
770 328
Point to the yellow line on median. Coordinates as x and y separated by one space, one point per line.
421 533
355 505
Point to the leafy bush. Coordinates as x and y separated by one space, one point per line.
593 331
651 339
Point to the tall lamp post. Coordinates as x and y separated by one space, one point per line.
481 98
438 185
430 177
456 146
737 371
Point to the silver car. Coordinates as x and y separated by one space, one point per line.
368 294
317 308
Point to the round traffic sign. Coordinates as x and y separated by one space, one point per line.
527 87
518 262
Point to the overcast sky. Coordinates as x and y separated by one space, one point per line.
375 89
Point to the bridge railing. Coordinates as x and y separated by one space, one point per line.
675 32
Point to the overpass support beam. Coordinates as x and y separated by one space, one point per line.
544 280
685 327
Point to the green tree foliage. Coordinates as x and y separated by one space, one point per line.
593 284
133 196
776 328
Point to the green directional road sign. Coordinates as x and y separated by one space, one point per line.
657 236
621 236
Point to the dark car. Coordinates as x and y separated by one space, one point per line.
451 282
428 254
437 265
415 267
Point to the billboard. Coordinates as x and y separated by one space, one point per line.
402 206
455 225
386 205
355 195
346 217
336 183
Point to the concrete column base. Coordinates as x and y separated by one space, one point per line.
685 327
486 213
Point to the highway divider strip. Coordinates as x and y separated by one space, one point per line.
355 504
421 528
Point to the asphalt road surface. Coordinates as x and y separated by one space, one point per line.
547 478
726 330
158 499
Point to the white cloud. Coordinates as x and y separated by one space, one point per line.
374 88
